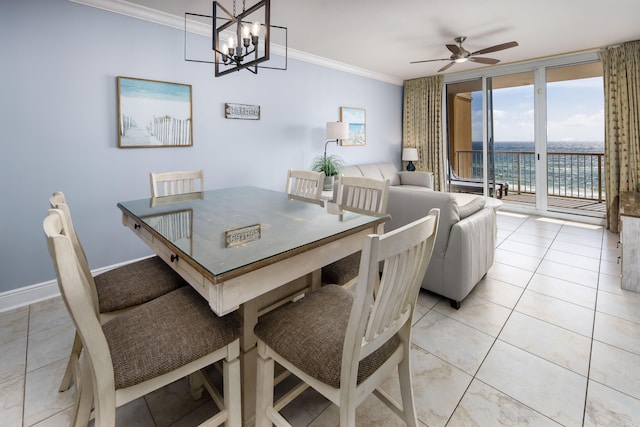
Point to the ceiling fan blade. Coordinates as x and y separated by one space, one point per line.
496 48
446 67
429 60
454 49
484 60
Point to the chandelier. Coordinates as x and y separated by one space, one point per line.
239 40
244 48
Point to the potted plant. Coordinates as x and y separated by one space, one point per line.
330 165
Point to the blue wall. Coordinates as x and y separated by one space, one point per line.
59 129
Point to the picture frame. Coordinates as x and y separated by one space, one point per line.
154 113
357 119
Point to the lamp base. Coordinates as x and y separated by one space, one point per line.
410 166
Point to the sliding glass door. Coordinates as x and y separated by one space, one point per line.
533 138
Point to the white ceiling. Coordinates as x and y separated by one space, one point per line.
383 36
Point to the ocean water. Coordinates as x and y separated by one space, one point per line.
573 168
555 147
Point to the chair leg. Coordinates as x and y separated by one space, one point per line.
348 416
264 389
196 385
70 375
406 390
232 392
84 398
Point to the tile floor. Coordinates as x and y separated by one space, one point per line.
548 338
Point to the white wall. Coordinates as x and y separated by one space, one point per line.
59 130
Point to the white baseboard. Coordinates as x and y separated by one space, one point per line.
27 295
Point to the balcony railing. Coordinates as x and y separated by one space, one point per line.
569 174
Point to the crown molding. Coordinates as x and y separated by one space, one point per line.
151 15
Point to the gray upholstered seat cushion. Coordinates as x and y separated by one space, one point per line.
164 334
135 283
310 334
343 270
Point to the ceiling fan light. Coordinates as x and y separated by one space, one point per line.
459 60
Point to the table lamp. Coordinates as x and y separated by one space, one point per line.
409 155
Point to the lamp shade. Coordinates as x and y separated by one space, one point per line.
337 130
409 154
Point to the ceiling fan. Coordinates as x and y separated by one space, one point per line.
460 54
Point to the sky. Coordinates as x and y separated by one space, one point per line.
575 112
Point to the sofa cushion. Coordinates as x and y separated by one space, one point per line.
371 171
390 172
350 171
416 179
468 204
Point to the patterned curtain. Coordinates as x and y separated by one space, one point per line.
422 124
621 69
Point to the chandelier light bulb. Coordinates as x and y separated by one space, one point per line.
255 31
245 32
232 42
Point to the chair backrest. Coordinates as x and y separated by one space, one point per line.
384 304
180 182
362 195
305 185
76 289
58 201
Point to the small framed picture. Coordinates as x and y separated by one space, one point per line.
152 113
356 117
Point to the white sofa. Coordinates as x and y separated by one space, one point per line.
465 243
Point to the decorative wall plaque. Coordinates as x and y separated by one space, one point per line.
242 235
241 111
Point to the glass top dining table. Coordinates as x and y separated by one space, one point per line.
226 232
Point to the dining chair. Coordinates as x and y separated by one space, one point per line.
117 289
145 348
305 185
345 342
179 182
363 195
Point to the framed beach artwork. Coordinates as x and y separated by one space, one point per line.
153 113
356 117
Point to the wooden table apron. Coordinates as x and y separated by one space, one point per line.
252 288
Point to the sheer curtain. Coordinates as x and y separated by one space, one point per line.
422 124
621 70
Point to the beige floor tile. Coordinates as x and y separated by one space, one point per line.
532 239
527 379
624 305
172 402
61 419
610 284
13 359
587 239
608 407
372 412
48 314
577 249
615 368
572 259
14 324
498 292
610 240
458 344
567 272
515 259
612 268
49 346
564 290
617 332
550 342
426 301
485 406
42 399
610 254
306 407
11 403
557 312
509 274
524 248
477 313
437 387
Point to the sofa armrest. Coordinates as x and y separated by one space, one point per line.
420 179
